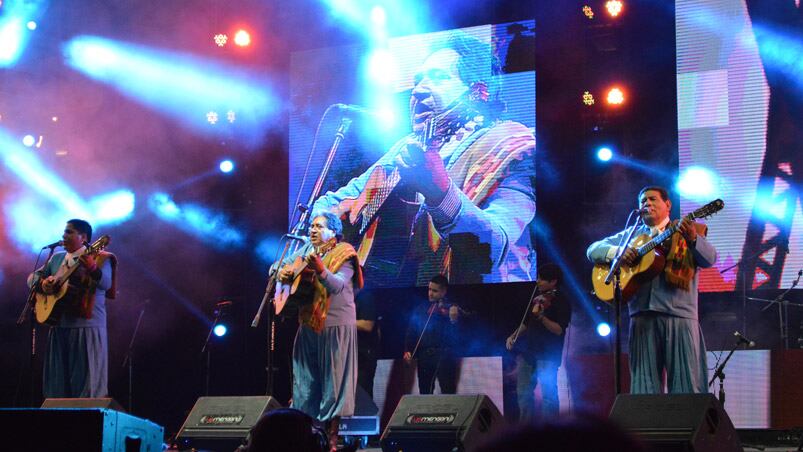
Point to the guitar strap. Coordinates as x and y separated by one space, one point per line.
680 265
87 297
314 314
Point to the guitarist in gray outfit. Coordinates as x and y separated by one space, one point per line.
76 363
665 332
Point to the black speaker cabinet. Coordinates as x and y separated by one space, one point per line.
222 423
677 422
79 429
432 423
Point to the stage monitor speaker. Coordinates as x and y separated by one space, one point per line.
223 422
77 429
107 403
677 422
432 423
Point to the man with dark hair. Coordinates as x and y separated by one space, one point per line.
76 363
665 333
325 349
431 339
539 344
467 175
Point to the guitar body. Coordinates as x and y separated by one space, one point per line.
631 277
46 304
286 291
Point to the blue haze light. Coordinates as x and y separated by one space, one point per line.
220 330
178 85
603 329
31 25
201 222
112 208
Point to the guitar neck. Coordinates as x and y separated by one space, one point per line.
660 238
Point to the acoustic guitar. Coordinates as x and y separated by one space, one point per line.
45 303
650 262
301 276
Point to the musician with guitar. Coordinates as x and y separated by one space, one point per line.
71 291
456 195
538 344
325 349
665 333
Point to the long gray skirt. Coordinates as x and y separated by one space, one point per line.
76 364
325 371
661 342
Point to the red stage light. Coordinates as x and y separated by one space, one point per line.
242 38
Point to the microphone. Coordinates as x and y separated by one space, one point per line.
53 245
641 211
351 110
743 340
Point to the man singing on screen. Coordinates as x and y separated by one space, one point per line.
467 175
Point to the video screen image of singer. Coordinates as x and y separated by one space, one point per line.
435 173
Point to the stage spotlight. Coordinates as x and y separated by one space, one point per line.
226 166
614 7
698 183
28 140
604 153
242 38
220 330
588 12
378 16
615 96
603 329
31 25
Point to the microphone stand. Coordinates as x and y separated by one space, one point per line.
30 305
129 360
206 349
720 373
614 274
783 310
294 235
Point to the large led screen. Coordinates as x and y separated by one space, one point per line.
431 140
740 123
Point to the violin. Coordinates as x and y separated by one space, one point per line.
544 300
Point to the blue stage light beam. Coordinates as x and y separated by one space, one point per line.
781 52
210 227
570 282
56 199
112 208
30 170
179 85
15 28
